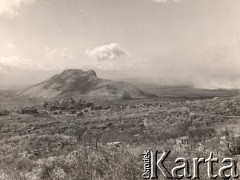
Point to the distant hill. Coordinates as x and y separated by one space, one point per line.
75 82
186 92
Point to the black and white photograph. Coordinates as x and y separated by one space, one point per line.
119 89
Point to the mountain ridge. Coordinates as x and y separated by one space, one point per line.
77 82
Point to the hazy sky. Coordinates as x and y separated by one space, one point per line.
169 41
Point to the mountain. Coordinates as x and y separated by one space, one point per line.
75 82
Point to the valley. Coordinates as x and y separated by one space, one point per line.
62 133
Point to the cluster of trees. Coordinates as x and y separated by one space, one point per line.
66 104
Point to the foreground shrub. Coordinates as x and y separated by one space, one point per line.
82 164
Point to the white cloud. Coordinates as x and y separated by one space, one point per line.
10 45
19 63
52 53
167 1
17 70
106 52
11 8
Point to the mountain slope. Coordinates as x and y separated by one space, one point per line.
76 82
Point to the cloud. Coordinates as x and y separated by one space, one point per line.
52 53
167 1
106 52
10 45
18 70
11 8
19 63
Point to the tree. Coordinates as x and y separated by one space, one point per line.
45 104
126 96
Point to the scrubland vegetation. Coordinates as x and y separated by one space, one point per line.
106 142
